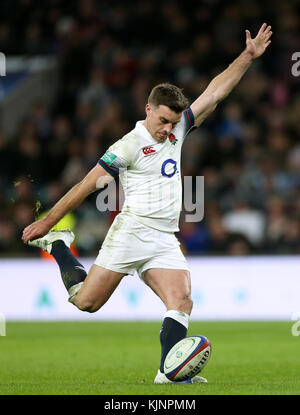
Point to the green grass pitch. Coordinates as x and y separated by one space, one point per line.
121 358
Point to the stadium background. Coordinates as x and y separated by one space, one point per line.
78 74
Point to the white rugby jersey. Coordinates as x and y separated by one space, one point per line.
150 173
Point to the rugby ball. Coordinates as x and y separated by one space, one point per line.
187 358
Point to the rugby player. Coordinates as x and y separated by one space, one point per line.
141 238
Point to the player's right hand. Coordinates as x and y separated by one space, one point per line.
257 46
35 230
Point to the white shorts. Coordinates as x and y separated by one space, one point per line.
129 245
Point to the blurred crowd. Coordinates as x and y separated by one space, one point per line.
110 55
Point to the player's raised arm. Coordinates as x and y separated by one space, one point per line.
223 84
95 179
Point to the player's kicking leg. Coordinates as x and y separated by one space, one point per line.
88 292
173 287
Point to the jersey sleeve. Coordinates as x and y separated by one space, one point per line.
189 121
186 125
116 157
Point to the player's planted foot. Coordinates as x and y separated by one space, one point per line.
162 378
46 241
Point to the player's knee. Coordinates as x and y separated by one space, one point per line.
188 304
183 303
85 304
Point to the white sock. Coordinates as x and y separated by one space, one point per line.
73 291
179 316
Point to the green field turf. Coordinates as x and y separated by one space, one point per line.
102 358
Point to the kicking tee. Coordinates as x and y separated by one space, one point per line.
149 172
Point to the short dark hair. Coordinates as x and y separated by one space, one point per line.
169 95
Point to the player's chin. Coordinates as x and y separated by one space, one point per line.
161 137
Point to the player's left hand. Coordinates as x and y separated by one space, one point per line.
257 46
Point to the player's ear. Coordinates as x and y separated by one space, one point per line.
148 109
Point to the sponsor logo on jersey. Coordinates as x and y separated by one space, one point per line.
148 150
173 140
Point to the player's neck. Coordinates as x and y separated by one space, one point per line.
145 124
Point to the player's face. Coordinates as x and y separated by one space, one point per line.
161 121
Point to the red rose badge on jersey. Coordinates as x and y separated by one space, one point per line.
172 139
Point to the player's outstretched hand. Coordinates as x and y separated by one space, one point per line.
35 230
257 46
